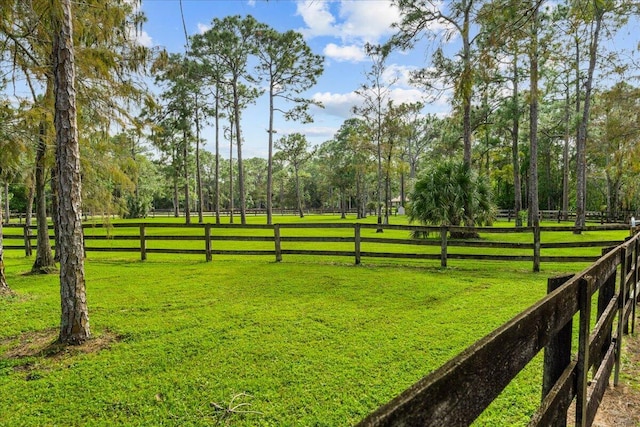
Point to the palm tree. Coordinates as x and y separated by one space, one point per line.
440 197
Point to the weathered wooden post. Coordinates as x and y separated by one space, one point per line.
621 303
356 230
207 241
605 295
557 354
143 243
443 245
584 305
276 239
27 240
636 278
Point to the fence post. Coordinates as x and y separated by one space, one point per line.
605 295
636 250
622 301
207 241
557 354
357 242
443 245
27 240
536 248
276 238
584 305
143 243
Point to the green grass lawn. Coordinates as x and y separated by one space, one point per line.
306 342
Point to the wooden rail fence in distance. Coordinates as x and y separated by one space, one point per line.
283 245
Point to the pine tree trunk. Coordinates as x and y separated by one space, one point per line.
217 172
270 162
74 325
581 143
54 210
533 122
515 150
44 262
243 204
565 156
198 174
4 286
187 200
298 194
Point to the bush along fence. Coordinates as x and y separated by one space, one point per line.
278 241
482 371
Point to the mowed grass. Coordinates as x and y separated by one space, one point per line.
306 342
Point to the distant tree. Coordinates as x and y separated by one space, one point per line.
440 197
289 67
231 41
375 94
294 150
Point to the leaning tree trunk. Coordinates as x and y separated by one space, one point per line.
44 262
74 325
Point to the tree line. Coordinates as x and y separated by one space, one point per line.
544 116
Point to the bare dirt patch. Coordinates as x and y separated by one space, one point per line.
620 405
44 344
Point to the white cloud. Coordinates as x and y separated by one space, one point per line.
203 28
317 17
399 75
337 104
354 23
368 21
350 53
144 39
140 36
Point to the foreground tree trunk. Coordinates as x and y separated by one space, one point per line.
74 321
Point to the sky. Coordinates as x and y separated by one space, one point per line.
338 30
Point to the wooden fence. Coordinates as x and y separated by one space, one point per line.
148 238
458 392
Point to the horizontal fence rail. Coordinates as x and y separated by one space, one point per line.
358 240
458 392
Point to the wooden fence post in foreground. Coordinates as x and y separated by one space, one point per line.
584 304
27 241
276 238
207 241
357 242
443 245
557 354
143 243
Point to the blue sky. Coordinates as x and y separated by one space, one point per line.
337 30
